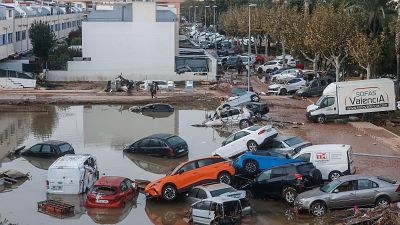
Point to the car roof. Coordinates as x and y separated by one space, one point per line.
355 177
326 148
54 142
161 136
213 187
110 181
209 157
70 161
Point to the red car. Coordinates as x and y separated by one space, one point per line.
111 192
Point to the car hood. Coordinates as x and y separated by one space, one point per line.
273 86
232 98
311 193
312 107
237 194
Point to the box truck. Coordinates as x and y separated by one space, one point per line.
342 99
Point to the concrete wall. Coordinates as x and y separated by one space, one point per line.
14 25
15 65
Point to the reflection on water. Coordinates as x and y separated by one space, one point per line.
40 163
43 123
166 213
111 216
155 165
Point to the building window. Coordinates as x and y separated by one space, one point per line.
9 38
2 39
51 27
78 22
18 36
23 34
73 23
63 26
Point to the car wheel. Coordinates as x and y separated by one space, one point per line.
252 145
169 192
244 123
258 115
282 91
255 98
318 209
260 70
382 202
250 166
225 178
289 194
321 119
334 175
316 176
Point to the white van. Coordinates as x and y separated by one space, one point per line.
333 160
72 174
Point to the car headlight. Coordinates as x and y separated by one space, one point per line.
312 110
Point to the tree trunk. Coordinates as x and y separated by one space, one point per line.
242 44
315 62
368 71
336 63
283 54
255 44
266 47
306 8
398 49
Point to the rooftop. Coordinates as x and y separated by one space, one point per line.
70 161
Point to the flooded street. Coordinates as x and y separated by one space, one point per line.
103 131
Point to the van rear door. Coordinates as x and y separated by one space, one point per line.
64 180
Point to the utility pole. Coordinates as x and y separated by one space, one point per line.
249 49
215 31
190 7
205 16
195 15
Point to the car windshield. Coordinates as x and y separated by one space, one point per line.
330 186
294 141
232 59
238 91
320 100
175 140
221 191
104 190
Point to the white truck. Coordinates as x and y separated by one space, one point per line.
342 99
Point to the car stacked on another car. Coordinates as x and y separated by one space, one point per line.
290 86
230 116
190 174
286 144
249 138
258 109
220 189
161 144
217 210
284 181
348 192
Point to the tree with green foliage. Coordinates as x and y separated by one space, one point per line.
42 39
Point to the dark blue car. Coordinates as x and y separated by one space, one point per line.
253 161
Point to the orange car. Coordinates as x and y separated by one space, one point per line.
189 174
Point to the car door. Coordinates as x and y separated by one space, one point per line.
47 151
207 170
187 176
34 150
234 116
366 192
344 195
144 146
201 212
192 195
260 183
130 191
240 142
154 148
314 87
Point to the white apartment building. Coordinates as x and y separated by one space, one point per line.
15 21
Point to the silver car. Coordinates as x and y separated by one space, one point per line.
219 189
349 191
287 144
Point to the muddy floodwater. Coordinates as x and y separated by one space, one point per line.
103 131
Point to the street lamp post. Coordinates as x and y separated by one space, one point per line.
249 49
215 31
205 15
6 41
190 7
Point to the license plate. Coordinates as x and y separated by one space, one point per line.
101 201
56 188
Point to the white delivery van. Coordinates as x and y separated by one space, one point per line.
72 174
333 160
341 99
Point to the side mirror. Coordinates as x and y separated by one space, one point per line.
336 191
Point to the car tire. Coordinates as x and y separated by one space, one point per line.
254 98
244 123
169 192
321 119
318 208
250 166
252 146
224 177
258 115
333 175
283 91
289 194
382 201
316 177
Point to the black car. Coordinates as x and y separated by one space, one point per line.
168 145
49 149
285 181
156 107
258 109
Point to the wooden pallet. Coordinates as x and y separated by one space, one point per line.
56 208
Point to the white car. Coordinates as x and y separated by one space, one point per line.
216 210
270 66
247 139
286 75
162 84
290 86
245 59
240 98
230 116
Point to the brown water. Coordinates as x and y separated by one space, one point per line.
103 131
